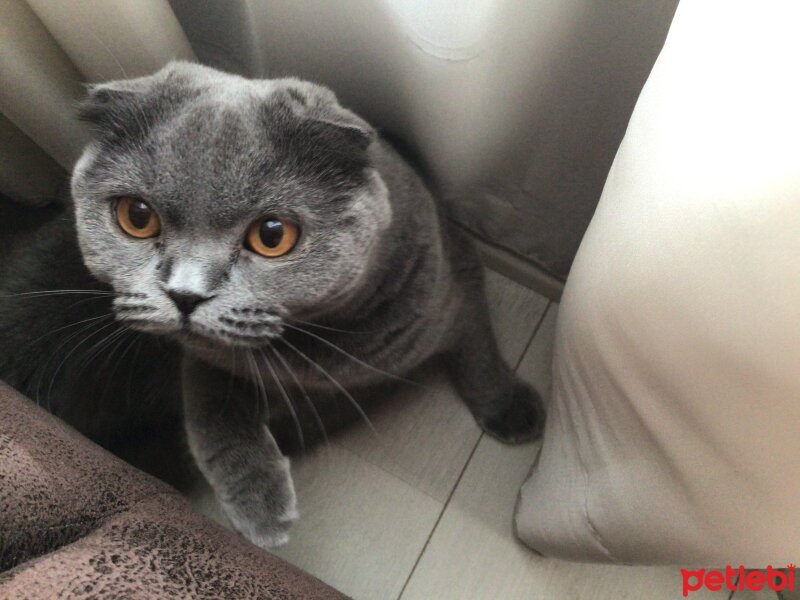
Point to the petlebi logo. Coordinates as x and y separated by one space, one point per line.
739 579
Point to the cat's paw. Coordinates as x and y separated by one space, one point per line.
520 420
263 506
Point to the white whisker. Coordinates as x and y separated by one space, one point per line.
326 327
44 335
98 347
109 375
259 380
97 293
351 357
66 357
304 393
90 327
338 385
286 398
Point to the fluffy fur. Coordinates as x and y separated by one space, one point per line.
378 284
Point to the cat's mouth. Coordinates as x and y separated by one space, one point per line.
193 333
242 327
256 336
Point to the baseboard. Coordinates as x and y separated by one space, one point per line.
520 270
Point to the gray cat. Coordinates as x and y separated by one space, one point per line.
267 240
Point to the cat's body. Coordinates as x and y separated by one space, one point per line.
376 283
65 350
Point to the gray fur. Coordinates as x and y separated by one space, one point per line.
379 283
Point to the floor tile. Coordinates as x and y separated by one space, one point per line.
763 595
536 364
360 529
473 552
515 311
425 436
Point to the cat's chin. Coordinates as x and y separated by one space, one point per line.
197 336
201 340
151 327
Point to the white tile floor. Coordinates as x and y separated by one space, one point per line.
425 510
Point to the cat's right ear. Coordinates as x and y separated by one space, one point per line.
101 104
116 109
112 110
129 106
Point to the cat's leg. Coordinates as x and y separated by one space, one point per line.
504 407
237 454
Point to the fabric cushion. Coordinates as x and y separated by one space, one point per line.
75 522
674 430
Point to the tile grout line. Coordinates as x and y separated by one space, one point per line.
392 474
466 463
439 518
533 336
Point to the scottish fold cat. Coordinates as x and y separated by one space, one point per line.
276 256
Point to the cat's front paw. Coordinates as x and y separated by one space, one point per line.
521 418
263 505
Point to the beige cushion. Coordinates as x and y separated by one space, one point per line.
674 431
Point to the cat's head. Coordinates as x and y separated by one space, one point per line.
217 206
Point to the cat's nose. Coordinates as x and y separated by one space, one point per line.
187 301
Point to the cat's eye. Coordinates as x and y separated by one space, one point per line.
137 218
272 236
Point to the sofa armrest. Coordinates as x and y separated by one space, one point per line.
75 521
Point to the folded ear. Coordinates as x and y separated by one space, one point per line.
313 133
314 136
355 135
319 104
129 106
102 101
117 109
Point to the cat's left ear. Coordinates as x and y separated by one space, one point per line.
360 136
320 105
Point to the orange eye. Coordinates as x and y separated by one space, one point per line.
272 236
136 218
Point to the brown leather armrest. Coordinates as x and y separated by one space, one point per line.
77 522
